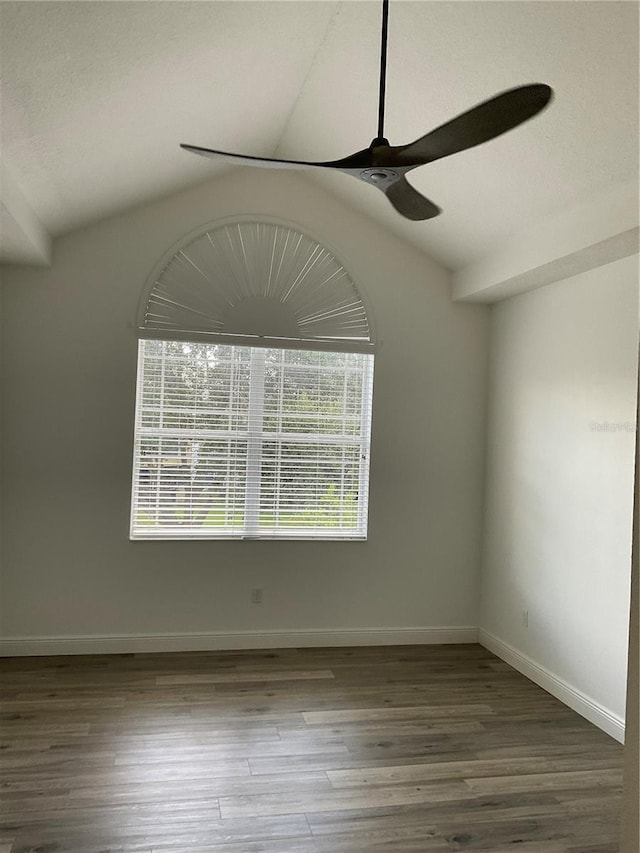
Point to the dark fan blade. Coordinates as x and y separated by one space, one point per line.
409 202
242 160
359 160
480 124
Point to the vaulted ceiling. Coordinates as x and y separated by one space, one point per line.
97 96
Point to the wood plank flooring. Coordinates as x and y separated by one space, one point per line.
417 749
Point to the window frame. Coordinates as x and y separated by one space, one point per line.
255 438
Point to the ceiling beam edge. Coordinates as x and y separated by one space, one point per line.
23 237
588 235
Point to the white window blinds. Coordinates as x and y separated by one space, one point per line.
247 442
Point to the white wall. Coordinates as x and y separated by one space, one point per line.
560 483
631 808
69 385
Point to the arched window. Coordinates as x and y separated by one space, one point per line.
255 378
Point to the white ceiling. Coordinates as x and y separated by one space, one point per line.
96 97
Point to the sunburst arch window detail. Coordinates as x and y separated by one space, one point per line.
248 280
254 391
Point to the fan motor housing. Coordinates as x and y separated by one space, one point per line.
380 177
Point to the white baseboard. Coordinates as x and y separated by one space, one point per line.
584 705
215 641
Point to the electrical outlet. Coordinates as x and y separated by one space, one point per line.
256 596
525 618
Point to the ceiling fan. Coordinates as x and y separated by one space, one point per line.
384 166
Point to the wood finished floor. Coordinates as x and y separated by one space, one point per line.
420 749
